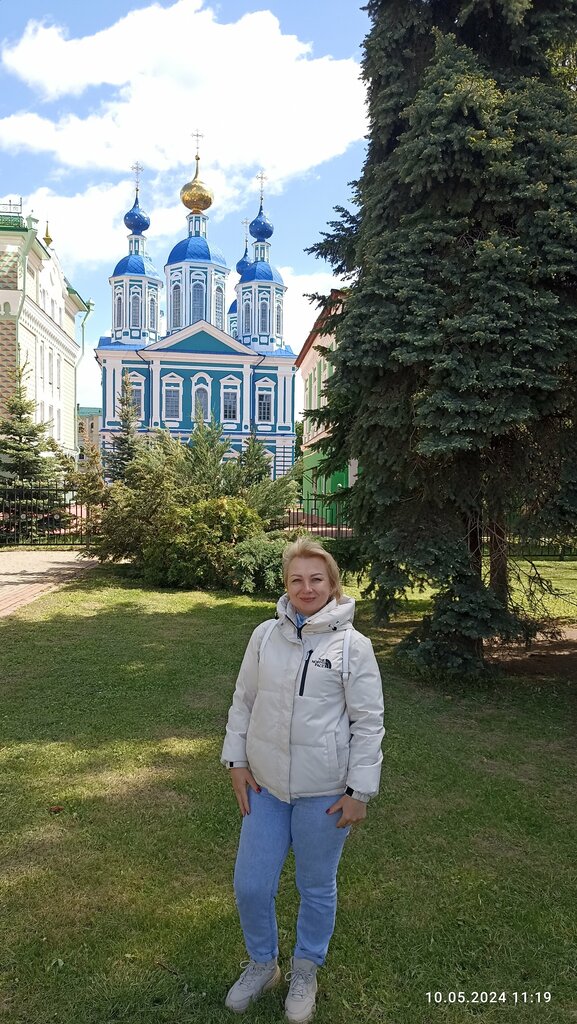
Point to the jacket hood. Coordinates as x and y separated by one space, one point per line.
335 615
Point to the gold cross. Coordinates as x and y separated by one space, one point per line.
198 136
262 178
137 170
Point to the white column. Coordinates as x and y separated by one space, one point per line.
110 381
154 392
246 375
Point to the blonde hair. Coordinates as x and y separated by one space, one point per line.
304 547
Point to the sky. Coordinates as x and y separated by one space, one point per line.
87 90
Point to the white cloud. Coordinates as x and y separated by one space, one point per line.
260 96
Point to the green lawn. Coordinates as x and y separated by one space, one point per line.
119 908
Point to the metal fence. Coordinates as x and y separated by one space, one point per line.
41 513
49 514
325 516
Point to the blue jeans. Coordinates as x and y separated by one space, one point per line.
266 836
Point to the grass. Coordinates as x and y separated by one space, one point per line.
119 907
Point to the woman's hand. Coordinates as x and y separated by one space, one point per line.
241 779
353 811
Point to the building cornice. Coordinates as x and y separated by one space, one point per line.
36 319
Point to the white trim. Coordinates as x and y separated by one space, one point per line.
265 389
135 378
231 384
202 380
174 382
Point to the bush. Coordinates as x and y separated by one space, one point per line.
199 554
255 565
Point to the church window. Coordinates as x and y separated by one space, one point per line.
41 362
118 313
201 401
176 306
197 302
263 317
135 310
58 424
264 407
219 307
246 318
138 399
233 330
50 367
278 319
58 371
230 404
152 313
172 402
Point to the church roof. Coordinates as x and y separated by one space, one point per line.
232 308
136 264
260 270
196 249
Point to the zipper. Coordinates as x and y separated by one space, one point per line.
304 675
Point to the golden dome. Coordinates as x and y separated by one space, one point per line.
195 195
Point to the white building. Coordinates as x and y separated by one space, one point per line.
38 310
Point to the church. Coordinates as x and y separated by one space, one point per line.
233 366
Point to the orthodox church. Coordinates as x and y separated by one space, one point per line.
232 366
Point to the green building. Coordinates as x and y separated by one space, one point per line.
320 492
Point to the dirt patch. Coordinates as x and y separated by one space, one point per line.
546 659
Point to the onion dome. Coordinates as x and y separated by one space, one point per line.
260 228
195 195
243 262
136 220
194 249
260 270
232 309
136 264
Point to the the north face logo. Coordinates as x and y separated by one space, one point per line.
322 663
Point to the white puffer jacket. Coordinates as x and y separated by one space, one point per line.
302 730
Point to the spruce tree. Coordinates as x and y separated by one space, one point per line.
254 463
126 442
27 452
455 381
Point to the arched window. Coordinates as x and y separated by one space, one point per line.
135 310
118 314
201 400
152 313
219 307
176 306
246 318
233 330
197 297
278 319
263 317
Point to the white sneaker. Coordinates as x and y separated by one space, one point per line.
300 1001
254 980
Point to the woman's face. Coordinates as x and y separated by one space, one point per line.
308 585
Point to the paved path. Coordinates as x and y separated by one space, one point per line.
25 575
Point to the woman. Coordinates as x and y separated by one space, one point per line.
303 745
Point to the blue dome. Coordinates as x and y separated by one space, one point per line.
260 228
196 249
232 308
243 262
136 220
135 264
260 270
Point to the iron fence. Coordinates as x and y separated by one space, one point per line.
40 513
324 515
